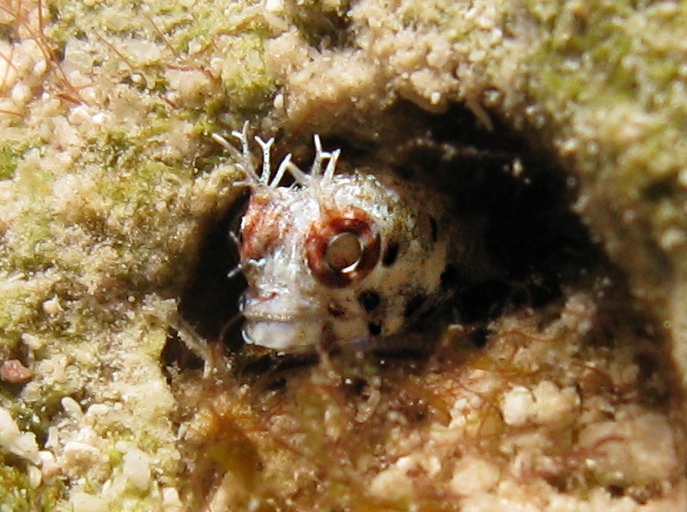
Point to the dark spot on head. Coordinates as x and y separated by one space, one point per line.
336 310
414 304
375 328
369 300
434 228
449 277
390 254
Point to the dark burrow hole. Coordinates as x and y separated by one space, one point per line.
534 242
210 302
532 235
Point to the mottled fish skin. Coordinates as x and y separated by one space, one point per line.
337 258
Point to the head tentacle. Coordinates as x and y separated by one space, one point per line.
245 162
266 147
243 158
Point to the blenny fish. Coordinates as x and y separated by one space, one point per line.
338 257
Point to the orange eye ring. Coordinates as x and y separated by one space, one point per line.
344 249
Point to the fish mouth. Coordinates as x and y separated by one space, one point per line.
278 322
282 333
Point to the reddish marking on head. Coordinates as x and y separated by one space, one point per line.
261 227
352 221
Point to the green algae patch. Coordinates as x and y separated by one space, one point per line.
18 494
244 72
217 52
9 157
21 309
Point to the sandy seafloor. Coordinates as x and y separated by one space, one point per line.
562 122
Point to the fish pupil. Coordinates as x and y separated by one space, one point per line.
343 252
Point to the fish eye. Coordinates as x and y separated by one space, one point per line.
343 252
343 249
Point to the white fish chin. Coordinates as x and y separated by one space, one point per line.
283 335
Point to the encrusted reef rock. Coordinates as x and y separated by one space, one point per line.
561 122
